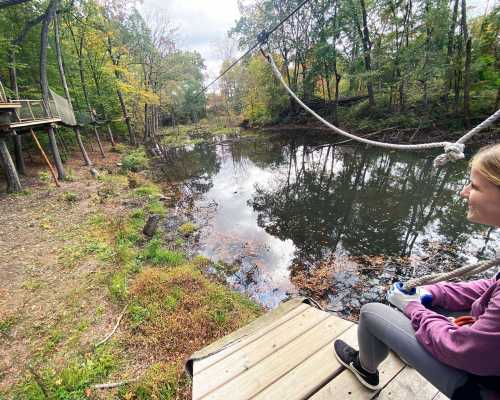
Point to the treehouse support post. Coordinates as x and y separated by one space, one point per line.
18 153
44 156
13 182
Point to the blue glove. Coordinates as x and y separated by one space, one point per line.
400 298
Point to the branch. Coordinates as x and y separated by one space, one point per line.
112 385
108 336
27 27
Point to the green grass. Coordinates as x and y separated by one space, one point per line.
70 197
71 381
6 324
118 286
134 161
157 255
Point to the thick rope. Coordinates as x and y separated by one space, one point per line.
453 150
459 272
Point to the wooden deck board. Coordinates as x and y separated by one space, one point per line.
303 380
290 357
346 386
408 384
207 362
237 363
270 369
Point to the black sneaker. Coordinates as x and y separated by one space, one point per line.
348 357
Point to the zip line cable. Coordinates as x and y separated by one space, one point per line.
261 38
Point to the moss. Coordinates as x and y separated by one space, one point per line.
187 229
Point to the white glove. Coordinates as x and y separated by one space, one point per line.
400 298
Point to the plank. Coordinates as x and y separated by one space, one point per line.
9 106
346 386
408 384
306 378
34 122
280 362
201 365
237 363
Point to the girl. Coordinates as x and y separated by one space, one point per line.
462 360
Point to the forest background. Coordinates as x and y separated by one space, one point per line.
414 64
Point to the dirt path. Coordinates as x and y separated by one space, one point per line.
48 307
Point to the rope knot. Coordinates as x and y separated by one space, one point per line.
452 152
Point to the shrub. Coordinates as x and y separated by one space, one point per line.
135 161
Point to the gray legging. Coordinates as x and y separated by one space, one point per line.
382 328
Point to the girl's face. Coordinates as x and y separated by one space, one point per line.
483 198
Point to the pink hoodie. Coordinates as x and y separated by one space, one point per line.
474 348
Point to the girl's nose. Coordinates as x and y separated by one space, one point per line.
465 191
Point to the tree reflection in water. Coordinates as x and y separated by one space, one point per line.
321 203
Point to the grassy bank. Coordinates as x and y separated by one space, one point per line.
102 269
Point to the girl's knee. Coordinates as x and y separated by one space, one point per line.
374 308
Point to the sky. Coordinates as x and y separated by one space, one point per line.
203 24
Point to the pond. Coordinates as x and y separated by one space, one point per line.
293 215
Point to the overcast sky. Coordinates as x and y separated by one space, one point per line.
203 24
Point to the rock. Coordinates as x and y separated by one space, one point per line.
355 303
151 225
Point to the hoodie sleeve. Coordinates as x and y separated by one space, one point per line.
458 296
469 348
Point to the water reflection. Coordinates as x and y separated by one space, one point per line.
277 206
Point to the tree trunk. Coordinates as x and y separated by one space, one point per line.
18 153
123 106
365 39
62 75
451 38
13 183
467 84
44 41
79 140
468 45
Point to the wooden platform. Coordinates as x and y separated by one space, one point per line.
287 354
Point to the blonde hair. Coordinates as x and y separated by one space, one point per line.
487 162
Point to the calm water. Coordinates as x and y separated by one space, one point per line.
294 216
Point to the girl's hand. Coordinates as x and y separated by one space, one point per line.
400 298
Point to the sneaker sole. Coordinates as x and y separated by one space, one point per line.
356 373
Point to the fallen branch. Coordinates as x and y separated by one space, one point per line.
108 336
112 385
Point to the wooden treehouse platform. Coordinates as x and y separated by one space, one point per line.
28 114
287 354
